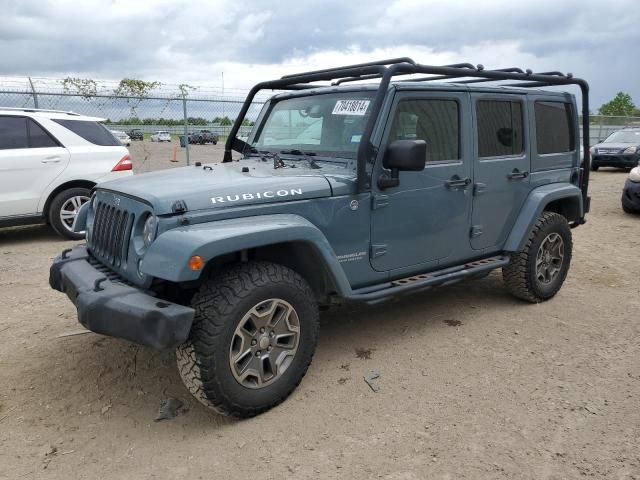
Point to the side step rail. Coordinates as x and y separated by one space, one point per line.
423 281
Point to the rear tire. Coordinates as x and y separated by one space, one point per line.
536 273
253 337
64 208
594 167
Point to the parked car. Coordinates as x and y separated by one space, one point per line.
49 163
401 187
620 149
203 136
161 136
631 192
123 137
135 134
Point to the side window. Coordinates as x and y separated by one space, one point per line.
554 132
500 128
38 136
437 122
13 133
92 132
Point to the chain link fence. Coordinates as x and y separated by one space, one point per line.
173 108
160 107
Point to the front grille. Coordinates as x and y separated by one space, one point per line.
608 151
111 232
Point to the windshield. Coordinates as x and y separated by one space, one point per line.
628 136
329 125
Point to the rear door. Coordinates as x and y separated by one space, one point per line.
501 167
30 159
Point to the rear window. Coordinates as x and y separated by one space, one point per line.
553 127
92 132
13 133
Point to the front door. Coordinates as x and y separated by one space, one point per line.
424 221
501 168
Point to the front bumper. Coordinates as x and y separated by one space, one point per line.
113 308
620 161
631 195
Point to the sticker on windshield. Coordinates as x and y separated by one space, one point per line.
351 107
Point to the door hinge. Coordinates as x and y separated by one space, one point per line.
476 231
379 201
479 188
378 250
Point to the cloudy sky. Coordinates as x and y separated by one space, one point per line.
193 41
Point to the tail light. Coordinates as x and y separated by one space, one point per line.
123 164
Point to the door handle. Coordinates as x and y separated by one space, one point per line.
457 182
517 175
51 160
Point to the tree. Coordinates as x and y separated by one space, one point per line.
620 106
224 121
85 87
131 87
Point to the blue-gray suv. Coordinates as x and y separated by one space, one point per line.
343 192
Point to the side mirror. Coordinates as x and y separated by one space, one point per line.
403 155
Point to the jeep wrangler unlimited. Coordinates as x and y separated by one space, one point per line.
344 192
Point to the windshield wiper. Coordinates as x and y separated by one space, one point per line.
308 156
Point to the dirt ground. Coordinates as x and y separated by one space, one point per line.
473 384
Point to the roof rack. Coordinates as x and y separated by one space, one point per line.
34 110
385 70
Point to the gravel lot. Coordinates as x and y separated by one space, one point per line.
474 384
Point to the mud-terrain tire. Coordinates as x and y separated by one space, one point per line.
228 308
66 203
536 273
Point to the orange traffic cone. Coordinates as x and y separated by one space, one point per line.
175 152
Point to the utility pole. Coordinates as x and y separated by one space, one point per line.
35 95
222 97
186 121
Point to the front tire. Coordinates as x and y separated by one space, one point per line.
253 337
594 168
64 209
536 273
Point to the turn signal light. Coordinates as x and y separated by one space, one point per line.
196 262
123 164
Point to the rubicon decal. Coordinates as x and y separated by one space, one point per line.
257 195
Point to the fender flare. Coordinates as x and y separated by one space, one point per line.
533 207
168 255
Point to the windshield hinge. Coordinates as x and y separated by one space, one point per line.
179 206
379 201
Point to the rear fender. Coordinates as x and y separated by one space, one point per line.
533 207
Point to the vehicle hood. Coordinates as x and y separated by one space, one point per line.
222 185
616 145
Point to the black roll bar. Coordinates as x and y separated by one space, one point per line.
385 70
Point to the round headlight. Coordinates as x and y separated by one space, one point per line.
149 230
634 174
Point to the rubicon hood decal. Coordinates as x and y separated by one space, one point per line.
257 195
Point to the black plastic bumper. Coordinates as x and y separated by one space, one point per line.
619 161
116 309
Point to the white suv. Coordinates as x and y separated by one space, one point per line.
49 162
161 136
